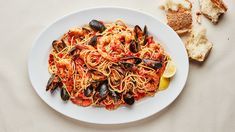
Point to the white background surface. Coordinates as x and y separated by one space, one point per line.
206 103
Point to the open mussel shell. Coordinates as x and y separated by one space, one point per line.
58 85
145 34
93 41
64 94
58 45
133 59
115 96
53 83
103 89
86 30
88 91
128 98
97 26
50 81
126 65
72 50
119 69
97 76
134 46
152 63
138 32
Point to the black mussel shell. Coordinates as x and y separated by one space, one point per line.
58 45
134 46
72 51
126 65
138 32
134 60
64 94
50 81
115 96
88 91
152 63
86 30
145 34
103 89
93 41
129 99
58 85
53 83
97 26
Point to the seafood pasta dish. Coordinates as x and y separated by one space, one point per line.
106 64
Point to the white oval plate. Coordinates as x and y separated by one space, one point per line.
38 67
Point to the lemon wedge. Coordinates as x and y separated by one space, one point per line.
164 83
170 70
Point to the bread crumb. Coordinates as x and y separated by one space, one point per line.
198 17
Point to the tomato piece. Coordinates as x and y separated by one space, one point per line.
110 106
81 102
150 40
139 96
69 88
51 59
79 61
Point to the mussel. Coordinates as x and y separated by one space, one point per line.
145 34
64 94
126 65
97 76
88 91
134 46
141 36
53 83
115 96
86 30
103 89
138 32
72 51
152 63
132 59
129 99
93 41
58 45
129 62
97 26
119 69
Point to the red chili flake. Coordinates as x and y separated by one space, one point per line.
60 55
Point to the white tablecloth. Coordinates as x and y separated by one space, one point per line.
207 103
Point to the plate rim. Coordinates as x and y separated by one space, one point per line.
105 7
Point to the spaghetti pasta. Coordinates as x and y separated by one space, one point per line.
106 64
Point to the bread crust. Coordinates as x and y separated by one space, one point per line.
220 4
212 9
180 20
